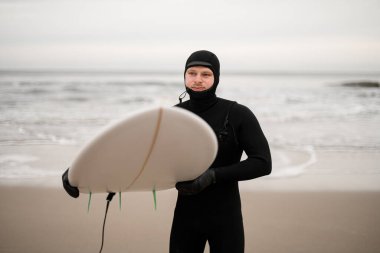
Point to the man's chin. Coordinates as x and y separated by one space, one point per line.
198 88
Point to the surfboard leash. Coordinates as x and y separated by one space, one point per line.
109 198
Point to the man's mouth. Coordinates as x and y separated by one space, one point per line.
198 88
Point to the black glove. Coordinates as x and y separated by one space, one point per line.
197 185
71 190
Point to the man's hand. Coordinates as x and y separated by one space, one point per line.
197 185
71 190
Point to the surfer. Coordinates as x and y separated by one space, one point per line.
209 207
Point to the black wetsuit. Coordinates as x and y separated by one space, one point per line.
214 215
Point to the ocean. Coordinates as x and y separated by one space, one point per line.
297 112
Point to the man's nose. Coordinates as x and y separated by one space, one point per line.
198 78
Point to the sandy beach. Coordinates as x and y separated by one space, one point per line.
318 211
41 219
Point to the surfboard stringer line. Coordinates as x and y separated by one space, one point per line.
156 131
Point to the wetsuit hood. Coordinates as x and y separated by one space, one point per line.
207 59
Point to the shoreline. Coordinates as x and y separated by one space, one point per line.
317 170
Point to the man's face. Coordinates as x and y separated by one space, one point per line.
199 78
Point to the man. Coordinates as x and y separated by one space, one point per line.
209 208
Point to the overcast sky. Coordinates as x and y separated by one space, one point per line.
247 35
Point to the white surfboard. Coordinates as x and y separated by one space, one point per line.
149 150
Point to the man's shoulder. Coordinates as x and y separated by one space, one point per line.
183 104
234 105
226 102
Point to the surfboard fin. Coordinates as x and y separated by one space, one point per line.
89 202
154 198
119 200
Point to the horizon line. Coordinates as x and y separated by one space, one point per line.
118 71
